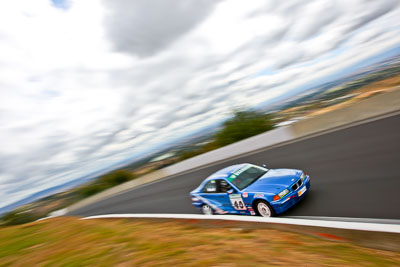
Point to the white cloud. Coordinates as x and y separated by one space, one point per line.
85 87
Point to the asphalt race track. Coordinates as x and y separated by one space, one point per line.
355 172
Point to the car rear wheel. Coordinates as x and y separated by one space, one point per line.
206 209
264 209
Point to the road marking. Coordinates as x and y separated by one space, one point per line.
362 226
347 219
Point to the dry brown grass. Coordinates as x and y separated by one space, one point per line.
364 92
386 84
72 242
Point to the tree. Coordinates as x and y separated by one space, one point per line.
19 217
244 124
106 181
116 177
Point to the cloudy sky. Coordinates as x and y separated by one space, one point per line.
87 84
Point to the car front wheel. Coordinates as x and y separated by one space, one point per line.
264 209
206 209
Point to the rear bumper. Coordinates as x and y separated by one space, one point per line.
197 204
291 199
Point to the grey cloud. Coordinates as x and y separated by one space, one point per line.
288 59
95 143
290 8
144 27
312 22
251 50
133 135
163 121
188 107
286 8
376 10
56 169
195 109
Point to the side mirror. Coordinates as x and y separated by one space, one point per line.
265 166
230 191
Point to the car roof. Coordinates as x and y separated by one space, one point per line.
225 172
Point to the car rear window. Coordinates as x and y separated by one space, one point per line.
210 187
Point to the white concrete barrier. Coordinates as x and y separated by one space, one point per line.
248 145
58 213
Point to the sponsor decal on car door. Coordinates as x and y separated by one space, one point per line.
237 202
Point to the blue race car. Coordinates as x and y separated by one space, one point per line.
251 190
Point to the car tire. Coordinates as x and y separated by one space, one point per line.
264 209
207 210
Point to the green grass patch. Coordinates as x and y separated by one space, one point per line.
72 242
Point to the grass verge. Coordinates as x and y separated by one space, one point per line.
72 242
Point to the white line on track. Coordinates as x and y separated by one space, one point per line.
363 226
347 219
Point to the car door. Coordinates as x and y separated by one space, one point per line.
222 195
211 194
230 199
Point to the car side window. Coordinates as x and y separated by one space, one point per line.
224 186
210 187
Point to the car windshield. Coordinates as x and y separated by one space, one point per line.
243 177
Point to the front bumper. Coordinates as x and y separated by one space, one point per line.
291 199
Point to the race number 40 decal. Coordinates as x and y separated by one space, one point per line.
237 202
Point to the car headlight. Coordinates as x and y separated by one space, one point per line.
283 193
280 195
303 176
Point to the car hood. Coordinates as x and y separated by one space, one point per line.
274 181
